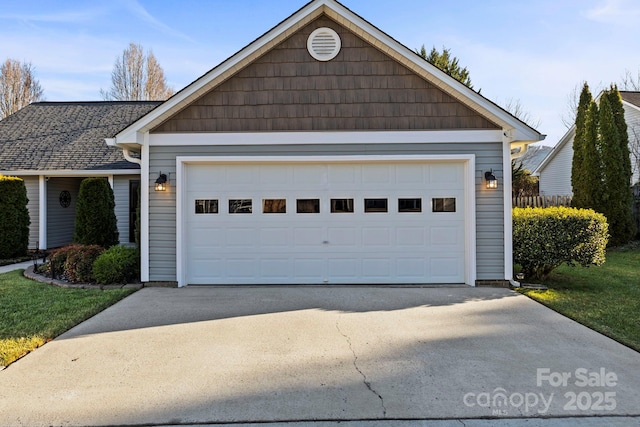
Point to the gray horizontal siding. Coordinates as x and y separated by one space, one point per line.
489 204
32 183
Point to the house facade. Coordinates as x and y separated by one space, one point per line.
325 152
53 146
555 170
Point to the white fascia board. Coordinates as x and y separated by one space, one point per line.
466 95
630 105
305 138
72 173
209 80
352 21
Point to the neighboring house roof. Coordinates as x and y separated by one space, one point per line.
518 130
534 156
67 135
631 97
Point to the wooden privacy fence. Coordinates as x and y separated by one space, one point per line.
541 201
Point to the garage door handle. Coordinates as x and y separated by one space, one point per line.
325 242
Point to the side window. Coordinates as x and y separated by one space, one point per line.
410 205
308 205
240 206
445 204
341 205
274 206
376 205
206 206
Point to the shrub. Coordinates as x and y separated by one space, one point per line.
117 265
96 222
14 217
74 263
544 238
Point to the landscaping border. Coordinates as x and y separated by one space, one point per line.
29 273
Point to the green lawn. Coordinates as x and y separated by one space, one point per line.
605 298
33 313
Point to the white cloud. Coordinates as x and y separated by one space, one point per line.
140 12
621 12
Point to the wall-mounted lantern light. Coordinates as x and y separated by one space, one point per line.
162 182
490 178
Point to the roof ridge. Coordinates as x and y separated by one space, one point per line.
93 102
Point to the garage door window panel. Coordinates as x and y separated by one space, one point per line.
277 206
410 205
444 204
376 205
341 205
304 206
240 206
206 206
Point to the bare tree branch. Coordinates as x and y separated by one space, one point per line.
137 77
514 106
630 82
18 87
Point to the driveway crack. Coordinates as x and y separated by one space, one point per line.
366 382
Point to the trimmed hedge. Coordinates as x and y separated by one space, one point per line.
545 238
14 217
117 265
96 222
74 263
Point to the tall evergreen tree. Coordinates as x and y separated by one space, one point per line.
592 184
579 171
616 201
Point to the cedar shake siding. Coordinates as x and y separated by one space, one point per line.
361 89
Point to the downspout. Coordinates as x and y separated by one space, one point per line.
111 142
130 158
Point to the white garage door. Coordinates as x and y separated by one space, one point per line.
324 223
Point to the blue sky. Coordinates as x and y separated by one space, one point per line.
536 52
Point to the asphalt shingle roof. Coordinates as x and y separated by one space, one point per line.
631 97
68 135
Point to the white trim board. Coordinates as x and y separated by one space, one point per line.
470 194
73 173
306 138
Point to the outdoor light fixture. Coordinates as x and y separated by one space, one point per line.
161 182
492 181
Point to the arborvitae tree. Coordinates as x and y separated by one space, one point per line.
96 222
579 172
592 184
615 100
14 217
617 199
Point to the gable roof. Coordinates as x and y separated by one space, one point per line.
629 98
67 135
519 131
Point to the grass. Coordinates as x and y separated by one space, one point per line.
605 298
33 313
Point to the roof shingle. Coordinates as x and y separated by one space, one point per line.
68 135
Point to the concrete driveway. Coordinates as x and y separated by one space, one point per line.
255 354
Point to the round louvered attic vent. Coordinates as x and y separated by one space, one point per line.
324 44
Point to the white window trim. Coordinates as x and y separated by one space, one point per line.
180 185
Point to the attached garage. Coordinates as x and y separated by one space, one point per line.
309 221
325 152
